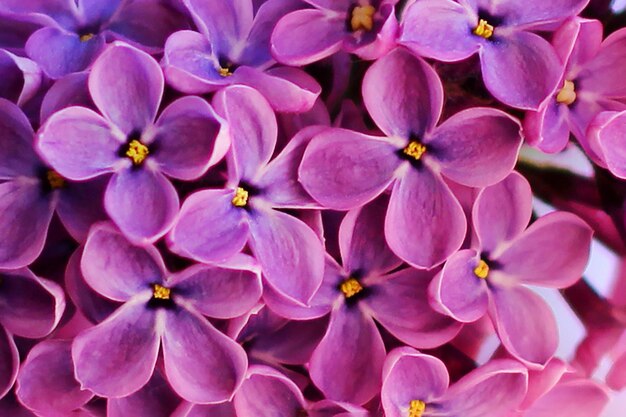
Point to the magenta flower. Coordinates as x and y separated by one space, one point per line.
343 169
75 32
366 28
511 56
21 77
416 385
165 311
233 48
215 224
606 140
493 274
589 85
126 85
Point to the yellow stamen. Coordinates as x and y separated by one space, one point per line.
415 150
225 72
484 29
362 18
241 197
351 287
481 270
137 151
160 292
567 94
54 179
86 37
416 408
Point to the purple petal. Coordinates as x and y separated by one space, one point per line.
510 67
477 147
209 228
219 292
407 104
252 126
552 252
188 138
155 399
17 156
21 77
422 205
24 219
535 11
548 127
202 364
59 52
225 409
126 85
409 375
422 33
598 73
9 362
116 268
290 253
400 304
609 141
149 190
575 398
458 291
306 36
501 212
81 205
525 324
79 143
68 91
117 357
95 11
351 343
342 169
46 381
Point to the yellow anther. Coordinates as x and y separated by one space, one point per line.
137 151
567 94
362 18
54 179
415 150
86 37
351 287
160 292
484 29
416 408
481 270
225 72
241 197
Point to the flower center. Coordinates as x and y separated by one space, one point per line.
350 287
362 18
137 151
241 197
55 180
416 408
483 29
415 150
225 71
481 270
160 292
567 94
85 37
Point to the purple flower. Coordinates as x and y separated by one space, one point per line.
590 83
75 32
343 169
366 28
233 48
416 385
491 276
215 224
21 77
606 140
126 85
164 311
519 67
155 399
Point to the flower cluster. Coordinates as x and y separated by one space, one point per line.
287 208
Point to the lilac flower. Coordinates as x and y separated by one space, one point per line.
416 385
126 85
367 288
233 48
589 84
162 310
21 77
155 399
490 277
606 140
75 32
343 169
31 192
366 28
214 224
511 56
29 307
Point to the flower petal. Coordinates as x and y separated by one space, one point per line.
202 364
155 399
9 362
535 11
21 77
575 398
17 156
609 139
81 205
